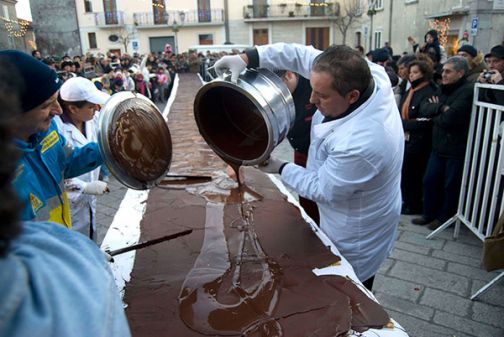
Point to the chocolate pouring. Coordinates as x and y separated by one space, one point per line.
246 269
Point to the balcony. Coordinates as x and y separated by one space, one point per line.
186 18
284 11
109 19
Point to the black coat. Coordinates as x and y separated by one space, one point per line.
451 117
419 131
299 134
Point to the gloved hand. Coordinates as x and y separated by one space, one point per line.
108 257
271 165
96 187
234 63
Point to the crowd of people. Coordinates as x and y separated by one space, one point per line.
151 75
434 95
387 135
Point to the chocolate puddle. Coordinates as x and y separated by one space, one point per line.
231 289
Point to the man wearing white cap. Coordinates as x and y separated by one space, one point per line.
47 158
79 100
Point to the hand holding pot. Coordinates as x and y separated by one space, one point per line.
233 63
272 165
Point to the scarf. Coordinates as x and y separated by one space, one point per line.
406 105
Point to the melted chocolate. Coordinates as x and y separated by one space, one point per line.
246 270
139 140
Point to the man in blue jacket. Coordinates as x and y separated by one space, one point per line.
47 158
55 282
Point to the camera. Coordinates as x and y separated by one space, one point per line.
487 75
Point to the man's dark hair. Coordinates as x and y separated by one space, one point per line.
10 86
349 71
425 68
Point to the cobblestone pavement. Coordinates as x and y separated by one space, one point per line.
425 285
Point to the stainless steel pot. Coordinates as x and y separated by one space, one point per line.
244 121
134 140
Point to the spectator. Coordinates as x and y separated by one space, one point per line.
474 59
450 113
495 75
417 134
403 73
80 100
47 157
299 134
360 49
388 48
464 40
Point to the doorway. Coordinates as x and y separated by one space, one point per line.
318 37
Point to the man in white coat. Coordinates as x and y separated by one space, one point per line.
79 100
354 162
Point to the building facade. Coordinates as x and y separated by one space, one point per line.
394 20
56 26
14 33
142 26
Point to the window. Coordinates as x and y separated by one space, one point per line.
92 41
88 6
205 39
160 14
204 11
5 13
410 1
377 40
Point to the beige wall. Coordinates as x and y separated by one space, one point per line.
406 19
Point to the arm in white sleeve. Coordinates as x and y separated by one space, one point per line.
289 56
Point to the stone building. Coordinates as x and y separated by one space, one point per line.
14 33
56 27
394 20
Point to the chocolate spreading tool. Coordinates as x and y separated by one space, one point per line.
148 243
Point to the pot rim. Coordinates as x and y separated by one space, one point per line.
106 116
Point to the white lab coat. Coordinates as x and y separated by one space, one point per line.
354 164
82 206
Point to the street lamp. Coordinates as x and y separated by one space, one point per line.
175 28
371 12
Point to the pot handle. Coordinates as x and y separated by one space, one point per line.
225 76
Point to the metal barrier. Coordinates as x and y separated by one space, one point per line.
480 200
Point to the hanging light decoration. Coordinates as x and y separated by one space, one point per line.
16 28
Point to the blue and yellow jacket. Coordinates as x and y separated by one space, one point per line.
47 159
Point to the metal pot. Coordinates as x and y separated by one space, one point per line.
244 121
134 140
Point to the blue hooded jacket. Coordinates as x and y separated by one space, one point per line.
47 159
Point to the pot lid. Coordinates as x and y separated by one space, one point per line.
134 140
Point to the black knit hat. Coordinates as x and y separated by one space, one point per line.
468 49
39 81
496 51
380 55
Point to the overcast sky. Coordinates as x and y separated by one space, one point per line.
23 10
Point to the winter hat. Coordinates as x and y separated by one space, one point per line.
39 81
468 49
497 51
432 33
380 55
